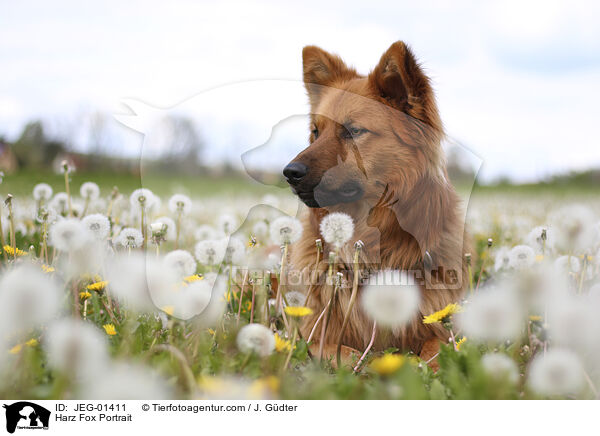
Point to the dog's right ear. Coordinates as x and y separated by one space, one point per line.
322 69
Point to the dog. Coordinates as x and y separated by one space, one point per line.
375 154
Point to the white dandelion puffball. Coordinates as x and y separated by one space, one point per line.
235 253
182 262
171 229
60 202
90 191
180 203
502 261
260 230
68 235
28 298
124 381
500 367
211 251
216 285
492 315
538 286
192 300
97 225
295 298
567 264
556 372
76 348
534 240
573 323
521 256
130 237
256 338
575 227
285 230
142 196
205 232
390 301
227 223
42 192
337 228
142 284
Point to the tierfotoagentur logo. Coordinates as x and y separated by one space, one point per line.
26 415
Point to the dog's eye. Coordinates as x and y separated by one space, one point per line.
353 132
315 132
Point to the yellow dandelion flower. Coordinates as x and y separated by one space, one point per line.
460 342
110 329
32 342
168 310
440 315
298 311
282 344
387 364
97 286
193 278
16 349
85 295
47 269
535 318
539 258
210 331
265 385
9 250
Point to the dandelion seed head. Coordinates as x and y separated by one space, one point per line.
574 226
76 348
256 338
42 192
206 231
182 262
500 367
28 298
337 228
227 223
390 300
180 203
295 298
130 238
502 259
142 197
493 314
210 251
556 372
521 256
97 225
68 235
285 230
60 203
235 252
90 191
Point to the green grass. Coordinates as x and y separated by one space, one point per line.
21 183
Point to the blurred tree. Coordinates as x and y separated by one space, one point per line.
33 148
182 144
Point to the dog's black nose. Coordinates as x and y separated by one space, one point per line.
294 172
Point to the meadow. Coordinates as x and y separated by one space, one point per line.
167 288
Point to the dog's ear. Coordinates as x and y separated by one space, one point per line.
399 79
322 69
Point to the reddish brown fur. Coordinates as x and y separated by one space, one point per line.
397 103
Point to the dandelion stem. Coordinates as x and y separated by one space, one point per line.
178 228
359 363
489 244
2 237
68 189
326 321
293 343
321 315
190 382
582 274
11 221
245 279
350 305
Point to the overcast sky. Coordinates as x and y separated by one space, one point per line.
517 82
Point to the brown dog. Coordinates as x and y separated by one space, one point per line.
375 154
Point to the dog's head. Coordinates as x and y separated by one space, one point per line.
367 132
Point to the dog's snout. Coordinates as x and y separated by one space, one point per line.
295 171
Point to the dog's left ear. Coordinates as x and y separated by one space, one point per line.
322 69
399 79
